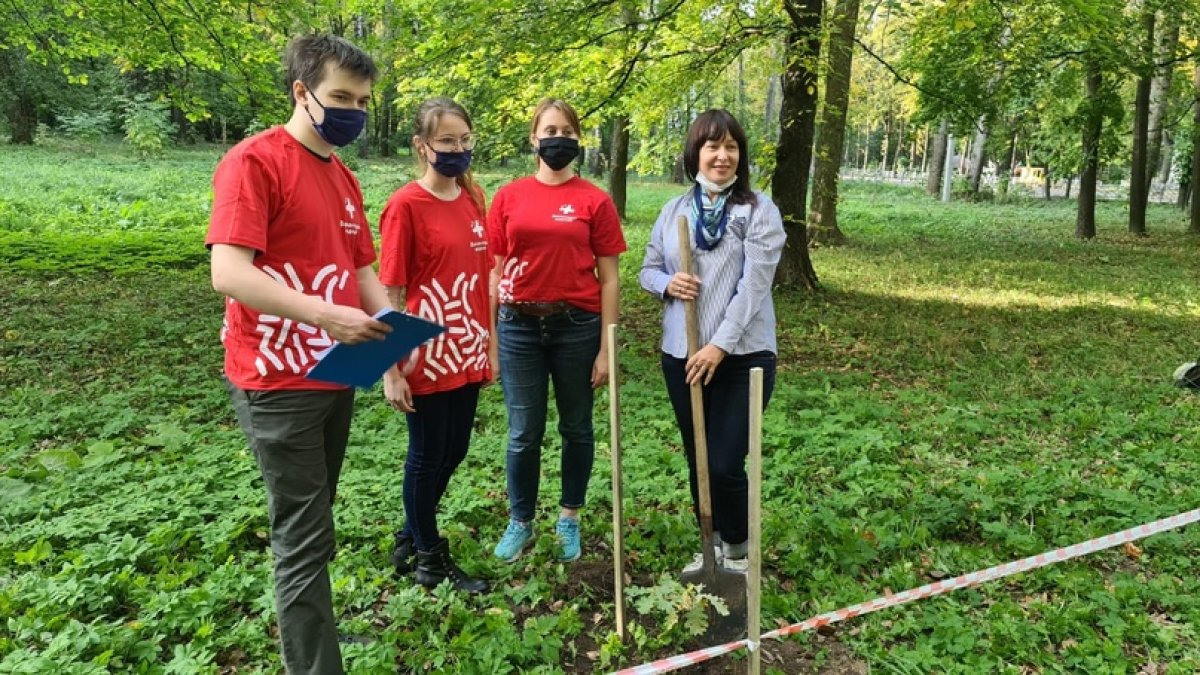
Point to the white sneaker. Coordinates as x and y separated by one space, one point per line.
698 560
737 564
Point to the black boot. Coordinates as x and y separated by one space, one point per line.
436 565
404 555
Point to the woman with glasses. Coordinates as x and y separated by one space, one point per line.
434 262
556 238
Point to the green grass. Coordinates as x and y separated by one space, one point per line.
973 386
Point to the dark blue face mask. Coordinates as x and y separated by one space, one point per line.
451 164
341 125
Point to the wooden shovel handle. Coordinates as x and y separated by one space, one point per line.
699 435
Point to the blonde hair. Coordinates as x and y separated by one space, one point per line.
429 114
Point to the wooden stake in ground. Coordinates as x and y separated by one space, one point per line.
614 424
754 582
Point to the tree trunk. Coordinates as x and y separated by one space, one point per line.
978 155
1085 217
1194 211
1160 89
937 160
822 220
899 145
1166 161
618 173
1004 171
22 119
595 158
789 185
925 149
1139 173
769 112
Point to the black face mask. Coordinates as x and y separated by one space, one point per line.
558 151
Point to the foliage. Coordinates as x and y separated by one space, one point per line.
89 125
148 126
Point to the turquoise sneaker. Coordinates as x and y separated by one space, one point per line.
567 530
517 537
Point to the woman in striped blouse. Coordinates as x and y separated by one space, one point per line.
736 238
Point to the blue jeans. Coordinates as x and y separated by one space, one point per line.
439 433
727 421
534 350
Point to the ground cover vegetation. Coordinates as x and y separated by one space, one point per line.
972 386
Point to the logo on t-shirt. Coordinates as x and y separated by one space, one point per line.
564 214
349 225
480 244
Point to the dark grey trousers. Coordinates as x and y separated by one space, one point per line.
299 441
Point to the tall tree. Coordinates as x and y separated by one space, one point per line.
1194 211
1160 91
1093 127
789 185
822 223
937 159
1140 172
619 152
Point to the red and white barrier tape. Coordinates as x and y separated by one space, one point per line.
927 591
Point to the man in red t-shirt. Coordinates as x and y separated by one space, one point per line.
292 251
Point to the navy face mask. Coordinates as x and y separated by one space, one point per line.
451 164
558 151
341 125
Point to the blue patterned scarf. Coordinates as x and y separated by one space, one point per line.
710 217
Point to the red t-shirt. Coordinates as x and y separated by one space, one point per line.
550 237
437 250
304 217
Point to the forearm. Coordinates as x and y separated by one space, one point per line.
610 294
234 275
370 291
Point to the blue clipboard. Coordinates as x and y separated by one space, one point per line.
362 365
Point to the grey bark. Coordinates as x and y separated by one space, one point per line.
937 160
793 154
1160 88
822 220
1194 211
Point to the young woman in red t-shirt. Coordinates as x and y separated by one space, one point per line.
434 263
556 238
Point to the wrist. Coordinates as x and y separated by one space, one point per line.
318 313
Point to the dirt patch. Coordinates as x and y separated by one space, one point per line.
822 656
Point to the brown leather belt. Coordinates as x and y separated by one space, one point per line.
538 309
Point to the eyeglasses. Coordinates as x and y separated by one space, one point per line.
452 144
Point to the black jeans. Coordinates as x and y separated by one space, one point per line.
299 441
727 422
439 433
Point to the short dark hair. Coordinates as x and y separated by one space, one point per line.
307 55
713 125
